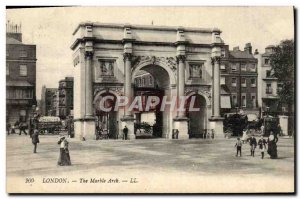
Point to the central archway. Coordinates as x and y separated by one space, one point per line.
197 119
152 80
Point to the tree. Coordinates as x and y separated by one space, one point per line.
282 62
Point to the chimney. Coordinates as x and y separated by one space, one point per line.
236 48
248 48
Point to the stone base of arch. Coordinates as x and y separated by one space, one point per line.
84 128
216 123
181 123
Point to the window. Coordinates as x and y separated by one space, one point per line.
27 94
253 82
243 67
244 100
23 53
233 82
19 94
253 100
252 67
7 53
268 73
243 82
23 70
267 61
11 94
234 100
222 81
269 89
222 67
223 54
233 67
7 69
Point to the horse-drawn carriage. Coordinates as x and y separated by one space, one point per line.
235 123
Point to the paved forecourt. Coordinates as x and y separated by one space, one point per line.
195 165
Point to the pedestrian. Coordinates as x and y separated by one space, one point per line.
13 128
64 154
253 144
245 136
35 139
22 127
238 146
31 127
262 146
279 130
272 146
262 129
125 132
97 132
8 126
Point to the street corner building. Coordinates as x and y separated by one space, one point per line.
111 59
20 76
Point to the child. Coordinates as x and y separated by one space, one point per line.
245 136
238 146
262 145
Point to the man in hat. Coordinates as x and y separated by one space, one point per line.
125 132
253 144
35 139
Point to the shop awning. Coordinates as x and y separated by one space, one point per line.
18 83
225 102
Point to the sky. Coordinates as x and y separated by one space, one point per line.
51 29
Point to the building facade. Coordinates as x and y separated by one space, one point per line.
47 101
184 61
55 104
20 76
268 85
239 75
65 90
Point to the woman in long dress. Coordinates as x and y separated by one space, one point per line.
272 146
64 154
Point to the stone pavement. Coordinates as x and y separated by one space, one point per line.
195 157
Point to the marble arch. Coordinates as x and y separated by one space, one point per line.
107 57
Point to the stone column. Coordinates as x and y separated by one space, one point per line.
216 121
128 119
88 85
181 81
128 86
216 86
181 121
89 122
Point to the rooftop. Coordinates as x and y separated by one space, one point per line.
10 40
147 27
240 54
